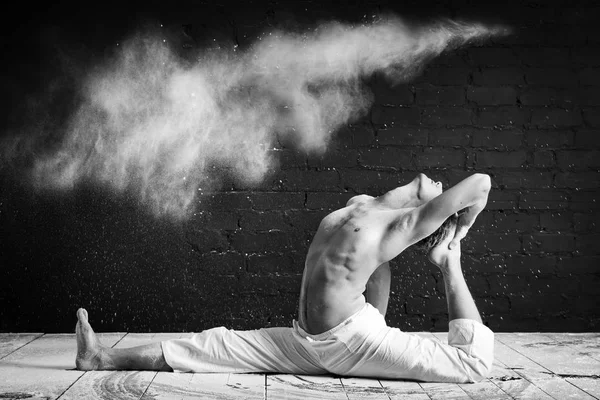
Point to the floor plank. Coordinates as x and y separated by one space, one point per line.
10 342
44 368
117 384
403 390
583 343
558 358
187 386
304 387
539 381
361 388
250 386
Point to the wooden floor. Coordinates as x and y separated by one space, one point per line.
528 366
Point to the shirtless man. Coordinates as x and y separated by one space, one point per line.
339 330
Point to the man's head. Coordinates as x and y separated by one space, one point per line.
418 192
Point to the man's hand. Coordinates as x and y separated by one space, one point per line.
442 254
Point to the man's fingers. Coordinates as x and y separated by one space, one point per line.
461 232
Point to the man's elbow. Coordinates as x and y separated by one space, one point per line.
484 181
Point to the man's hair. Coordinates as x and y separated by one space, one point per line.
425 245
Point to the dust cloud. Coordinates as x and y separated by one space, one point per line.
156 125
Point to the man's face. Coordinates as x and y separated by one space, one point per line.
419 191
427 188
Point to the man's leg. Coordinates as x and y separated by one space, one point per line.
458 296
92 355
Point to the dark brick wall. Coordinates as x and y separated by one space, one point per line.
524 109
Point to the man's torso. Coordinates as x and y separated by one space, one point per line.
344 253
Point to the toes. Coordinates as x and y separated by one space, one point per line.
82 315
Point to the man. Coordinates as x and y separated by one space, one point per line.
338 330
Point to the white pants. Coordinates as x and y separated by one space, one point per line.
363 345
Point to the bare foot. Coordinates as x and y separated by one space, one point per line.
91 355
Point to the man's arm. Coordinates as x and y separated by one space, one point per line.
406 228
378 288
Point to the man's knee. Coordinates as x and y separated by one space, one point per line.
479 369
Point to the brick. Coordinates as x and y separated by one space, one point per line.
288 263
372 182
508 286
499 76
454 58
227 263
450 137
588 139
327 201
500 159
207 240
447 116
492 56
395 116
402 136
389 94
304 219
556 222
584 201
502 200
586 222
335 158
578 159
446 76
515 222
502 116
544 158
544 56
497 139
276 200
591 116
492 96
362 135
589 76
543 200
440 95
578 265
548 243
272 241
296 180
524 179
289 158
551 77
527 265
226 201
484 222
219 220
587 56
385 157
263 221
590 285
549 138
439 158
578 180
545 96
499 243
483 265
535 304
588 244
588 96
555 117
